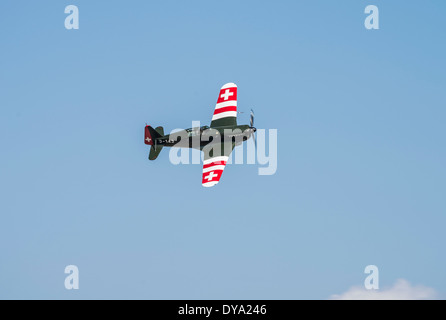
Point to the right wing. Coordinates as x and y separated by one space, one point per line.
213 166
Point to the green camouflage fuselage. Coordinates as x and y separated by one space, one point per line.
199 137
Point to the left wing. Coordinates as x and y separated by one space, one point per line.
225 113
213 166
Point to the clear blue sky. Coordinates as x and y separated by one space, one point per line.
361 175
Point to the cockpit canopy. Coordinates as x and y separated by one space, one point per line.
196 130
202 128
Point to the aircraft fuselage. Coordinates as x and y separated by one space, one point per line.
200 137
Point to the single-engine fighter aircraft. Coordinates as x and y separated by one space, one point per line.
216 141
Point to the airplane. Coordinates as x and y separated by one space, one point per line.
216 141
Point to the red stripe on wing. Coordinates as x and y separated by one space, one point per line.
215 163
224 109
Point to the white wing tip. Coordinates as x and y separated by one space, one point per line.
209 184
229 85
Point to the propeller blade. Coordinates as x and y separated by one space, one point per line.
251 123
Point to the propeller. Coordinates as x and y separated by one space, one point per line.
251 124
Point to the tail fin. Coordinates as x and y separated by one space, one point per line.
150 135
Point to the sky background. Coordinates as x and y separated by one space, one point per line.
361 176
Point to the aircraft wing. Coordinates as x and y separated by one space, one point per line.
225 113
213 166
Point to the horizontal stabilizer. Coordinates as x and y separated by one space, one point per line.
155 151
160 130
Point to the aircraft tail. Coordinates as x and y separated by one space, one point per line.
150 136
